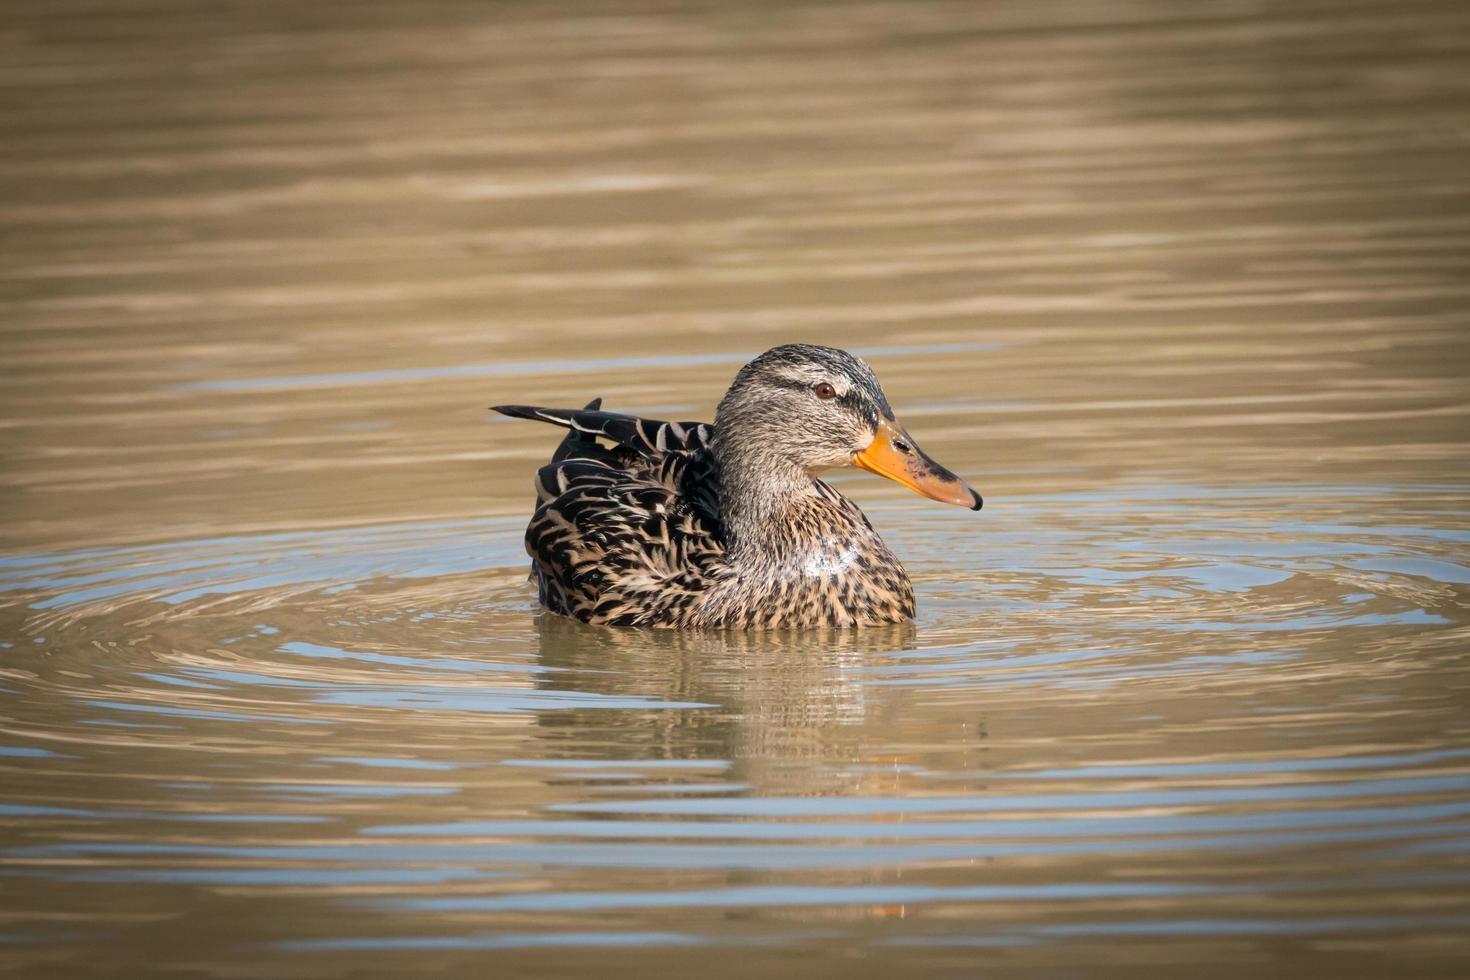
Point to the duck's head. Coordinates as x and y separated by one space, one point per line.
810 408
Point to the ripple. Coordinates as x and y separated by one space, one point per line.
1181 286
1093 800
597 365
499 940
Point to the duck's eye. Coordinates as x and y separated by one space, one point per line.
825 391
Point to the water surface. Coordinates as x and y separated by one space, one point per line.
1181 290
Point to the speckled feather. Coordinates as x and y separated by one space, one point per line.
630 534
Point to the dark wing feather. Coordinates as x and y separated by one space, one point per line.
621 547
576 444
648 437
626 535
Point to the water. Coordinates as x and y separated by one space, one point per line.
1181 290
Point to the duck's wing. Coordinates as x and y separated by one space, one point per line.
628 534
622 547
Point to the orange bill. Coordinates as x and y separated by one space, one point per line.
894 455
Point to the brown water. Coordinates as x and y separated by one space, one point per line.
1181 288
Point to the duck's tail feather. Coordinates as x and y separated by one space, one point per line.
648 437
576 442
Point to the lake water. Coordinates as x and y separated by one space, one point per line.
1180 288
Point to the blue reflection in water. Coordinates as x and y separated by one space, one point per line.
808 806
787 857
1125 824
759 895
494 940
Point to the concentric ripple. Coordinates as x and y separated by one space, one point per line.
1202 724
1181 288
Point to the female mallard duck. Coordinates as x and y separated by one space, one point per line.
687 525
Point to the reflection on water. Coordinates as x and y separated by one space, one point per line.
1211 722
1183 288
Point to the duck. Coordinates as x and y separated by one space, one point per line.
688 525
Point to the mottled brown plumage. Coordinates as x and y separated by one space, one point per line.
687 525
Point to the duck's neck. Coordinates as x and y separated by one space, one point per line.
760 496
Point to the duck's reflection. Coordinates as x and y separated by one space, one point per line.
768 696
